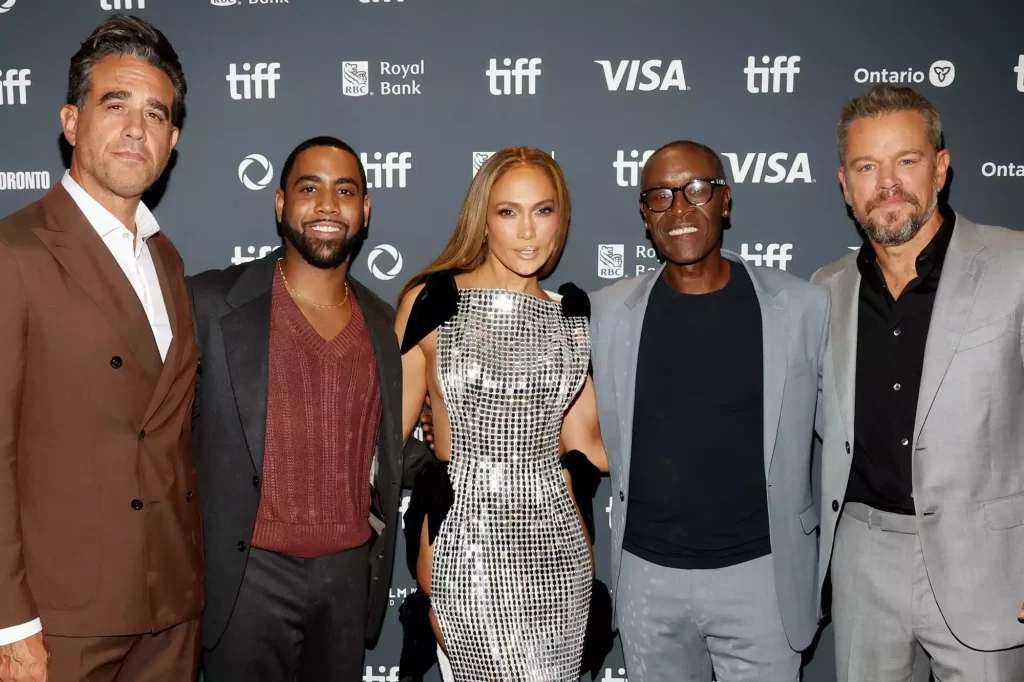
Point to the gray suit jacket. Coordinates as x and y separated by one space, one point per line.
968 444
794 316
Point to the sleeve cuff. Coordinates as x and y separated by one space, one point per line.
16 633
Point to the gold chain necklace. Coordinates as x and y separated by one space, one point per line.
306 300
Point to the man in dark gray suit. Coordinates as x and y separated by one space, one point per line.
923 453
707 374
297 443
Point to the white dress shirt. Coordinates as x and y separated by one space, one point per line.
133 255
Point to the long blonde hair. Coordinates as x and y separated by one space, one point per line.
467 248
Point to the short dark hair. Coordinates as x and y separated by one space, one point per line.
883 99
712 155
320 141
126 36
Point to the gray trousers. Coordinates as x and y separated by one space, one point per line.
888 627
677 625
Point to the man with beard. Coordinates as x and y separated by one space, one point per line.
707 376
923 453
298 444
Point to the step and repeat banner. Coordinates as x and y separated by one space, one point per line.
426 90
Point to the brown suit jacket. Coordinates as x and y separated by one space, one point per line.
100 532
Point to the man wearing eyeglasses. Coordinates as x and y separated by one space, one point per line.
708 375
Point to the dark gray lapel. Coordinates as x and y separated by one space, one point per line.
246 335
962 272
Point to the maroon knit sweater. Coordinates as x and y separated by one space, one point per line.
323 414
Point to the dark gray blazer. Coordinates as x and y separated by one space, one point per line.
232 321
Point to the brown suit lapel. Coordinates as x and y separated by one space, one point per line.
79 249
179 312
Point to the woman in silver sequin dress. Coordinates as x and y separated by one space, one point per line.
505 366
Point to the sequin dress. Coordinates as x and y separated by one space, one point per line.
511 570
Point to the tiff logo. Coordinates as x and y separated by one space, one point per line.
262 73
238 258
16 81
774 256
501 79
760 78
609 678
122 4
1019 69
386 675
633 167
394 161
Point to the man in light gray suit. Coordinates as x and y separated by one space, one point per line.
923 452
707 373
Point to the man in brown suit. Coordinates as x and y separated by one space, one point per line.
101 559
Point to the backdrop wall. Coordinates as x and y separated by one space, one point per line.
426 88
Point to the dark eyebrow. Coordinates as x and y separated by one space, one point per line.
311 177
126 95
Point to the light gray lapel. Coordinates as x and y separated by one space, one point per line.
845 291
774 304
628 327
962 272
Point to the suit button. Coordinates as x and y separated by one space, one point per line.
142 434
188 496
847 447
255 481
835 505
137 505
241 546
622 496
115 362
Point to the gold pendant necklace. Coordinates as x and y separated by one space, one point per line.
280 268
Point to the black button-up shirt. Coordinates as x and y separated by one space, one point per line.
891 336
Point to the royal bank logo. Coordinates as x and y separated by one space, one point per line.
254 254
768 167
385 169
260 161
1019 70
22 180
480 158
229 3
384 262
6 6
940 74
514 80
122 4
611 260
14 86
257 84
223 3
769 256
770 76
627 171
395 78
385 674
646 76
1003 170
367 2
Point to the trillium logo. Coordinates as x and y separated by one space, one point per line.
942 73
396 262
6 6
267 168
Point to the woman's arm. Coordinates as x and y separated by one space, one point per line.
581 429
414 369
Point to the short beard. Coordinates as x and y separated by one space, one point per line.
318 253
904 233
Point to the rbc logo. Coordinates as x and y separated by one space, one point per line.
760 77
653 80
355 78
753 165
396 262
267 168
774 256
501 79
611 260
262 73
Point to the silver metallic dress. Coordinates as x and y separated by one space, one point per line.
511 570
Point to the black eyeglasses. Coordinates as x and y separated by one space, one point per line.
698 192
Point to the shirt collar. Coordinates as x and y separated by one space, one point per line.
102 220
934 251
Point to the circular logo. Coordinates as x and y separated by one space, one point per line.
941 73
6 6
244 166
396 258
